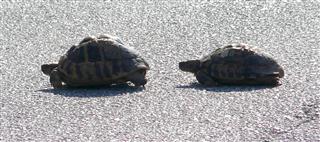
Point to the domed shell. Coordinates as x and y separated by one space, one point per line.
100 59
231 51
239 61
100 49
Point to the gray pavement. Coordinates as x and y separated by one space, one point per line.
173 107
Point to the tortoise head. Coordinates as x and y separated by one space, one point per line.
278 70
47 68
281 72
190 66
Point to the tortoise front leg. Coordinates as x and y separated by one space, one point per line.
138 78
55 79
205 79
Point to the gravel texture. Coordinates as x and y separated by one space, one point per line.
173 107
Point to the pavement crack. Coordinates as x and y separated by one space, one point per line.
310 113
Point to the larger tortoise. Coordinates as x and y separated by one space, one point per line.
235 64
96 61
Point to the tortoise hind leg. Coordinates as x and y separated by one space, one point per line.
205 79
55 79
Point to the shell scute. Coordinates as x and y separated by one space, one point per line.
107 69
94 53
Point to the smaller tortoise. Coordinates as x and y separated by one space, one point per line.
236 64
96 61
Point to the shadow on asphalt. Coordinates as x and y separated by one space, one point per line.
101 91
225 88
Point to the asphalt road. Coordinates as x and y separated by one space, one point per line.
173 107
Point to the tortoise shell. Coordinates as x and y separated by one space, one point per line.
236 64
101 60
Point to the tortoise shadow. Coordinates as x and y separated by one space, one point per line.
225 88
99 91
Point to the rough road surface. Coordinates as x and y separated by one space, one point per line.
173 107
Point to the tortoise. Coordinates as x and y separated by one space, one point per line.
97 61
235 64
